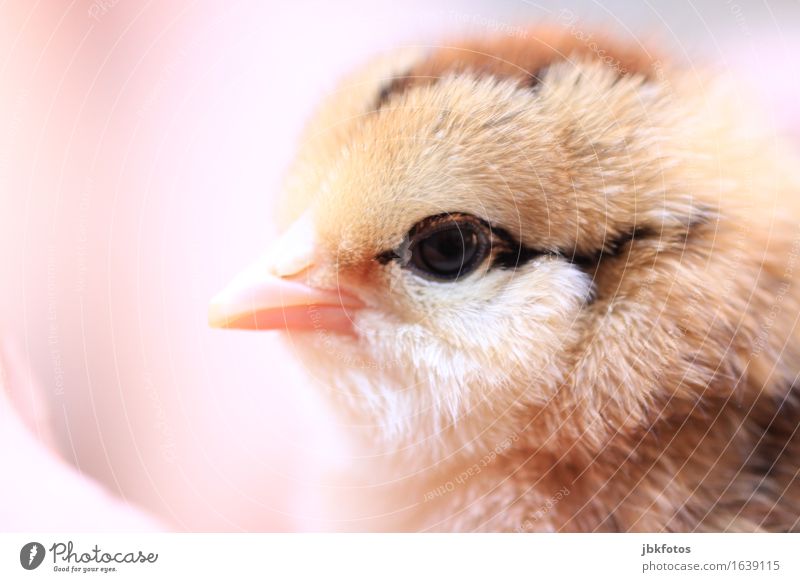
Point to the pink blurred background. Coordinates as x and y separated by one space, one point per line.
141 144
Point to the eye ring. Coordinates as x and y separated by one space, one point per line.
446 247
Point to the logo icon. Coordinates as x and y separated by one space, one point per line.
31 555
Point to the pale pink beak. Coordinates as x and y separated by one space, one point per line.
272 295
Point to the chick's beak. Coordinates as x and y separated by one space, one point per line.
272 293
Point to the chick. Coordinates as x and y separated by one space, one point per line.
556 278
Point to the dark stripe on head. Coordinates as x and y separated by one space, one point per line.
524 59
393 87
514 253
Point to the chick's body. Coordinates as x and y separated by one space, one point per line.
623 354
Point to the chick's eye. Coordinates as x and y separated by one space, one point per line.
447 251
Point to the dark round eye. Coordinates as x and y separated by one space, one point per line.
448 249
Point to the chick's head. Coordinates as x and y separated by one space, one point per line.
455 218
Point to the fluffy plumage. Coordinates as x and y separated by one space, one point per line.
636 370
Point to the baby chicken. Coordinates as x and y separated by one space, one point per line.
556 279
